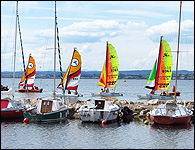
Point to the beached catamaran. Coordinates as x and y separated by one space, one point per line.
72 76
160 76
110 71
28 77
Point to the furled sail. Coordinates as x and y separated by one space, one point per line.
72 76
110 71
30 75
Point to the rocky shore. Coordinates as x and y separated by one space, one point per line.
138 110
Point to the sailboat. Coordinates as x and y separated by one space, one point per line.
51 109
71 77
29 80
109 75
10 108
160 76
171 112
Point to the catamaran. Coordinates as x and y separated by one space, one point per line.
109 75
28 78
160 76
71 77
171 112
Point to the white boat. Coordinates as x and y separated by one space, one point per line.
110 71
98 110
68 95
142 96
171 112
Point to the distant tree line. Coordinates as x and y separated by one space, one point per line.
137 74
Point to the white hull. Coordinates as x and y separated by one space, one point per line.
91 113
103 94
68 95
157 96
142 97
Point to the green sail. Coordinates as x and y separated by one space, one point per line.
168 63
150 84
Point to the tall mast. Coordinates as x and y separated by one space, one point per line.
13 83
177 52
55 52
106 65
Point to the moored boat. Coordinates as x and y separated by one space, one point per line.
98 110
172 113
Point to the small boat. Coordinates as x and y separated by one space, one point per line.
28 78
171 112
71 77
51 109
11 109
160 76
98 110
142 96
110 71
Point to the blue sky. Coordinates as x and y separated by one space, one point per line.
132 27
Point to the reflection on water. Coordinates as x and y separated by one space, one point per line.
171 127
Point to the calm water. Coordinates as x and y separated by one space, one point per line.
75 134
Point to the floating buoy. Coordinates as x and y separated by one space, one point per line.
104 122
26 120
146 122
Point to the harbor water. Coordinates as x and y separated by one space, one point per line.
74 134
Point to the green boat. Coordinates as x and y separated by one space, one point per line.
49 111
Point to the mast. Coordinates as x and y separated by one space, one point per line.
106 65
13 83
158 62
177 52
55 52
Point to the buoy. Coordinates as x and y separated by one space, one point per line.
26 120
146 122
104 122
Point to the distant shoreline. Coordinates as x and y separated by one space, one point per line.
137 74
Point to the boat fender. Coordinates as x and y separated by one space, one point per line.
146 122
103 121
26 120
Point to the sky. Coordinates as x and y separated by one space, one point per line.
132 27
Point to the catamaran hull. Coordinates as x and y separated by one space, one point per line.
55 116
68 95
142 97
155 96
98 115
30 90
110 94
95 94
170 120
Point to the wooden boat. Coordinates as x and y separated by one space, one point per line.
51 109
28 78
160 76
10 108
172 113
110 71
98 110
71 77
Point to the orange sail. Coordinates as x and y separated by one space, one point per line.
30 73
72 76
109 75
